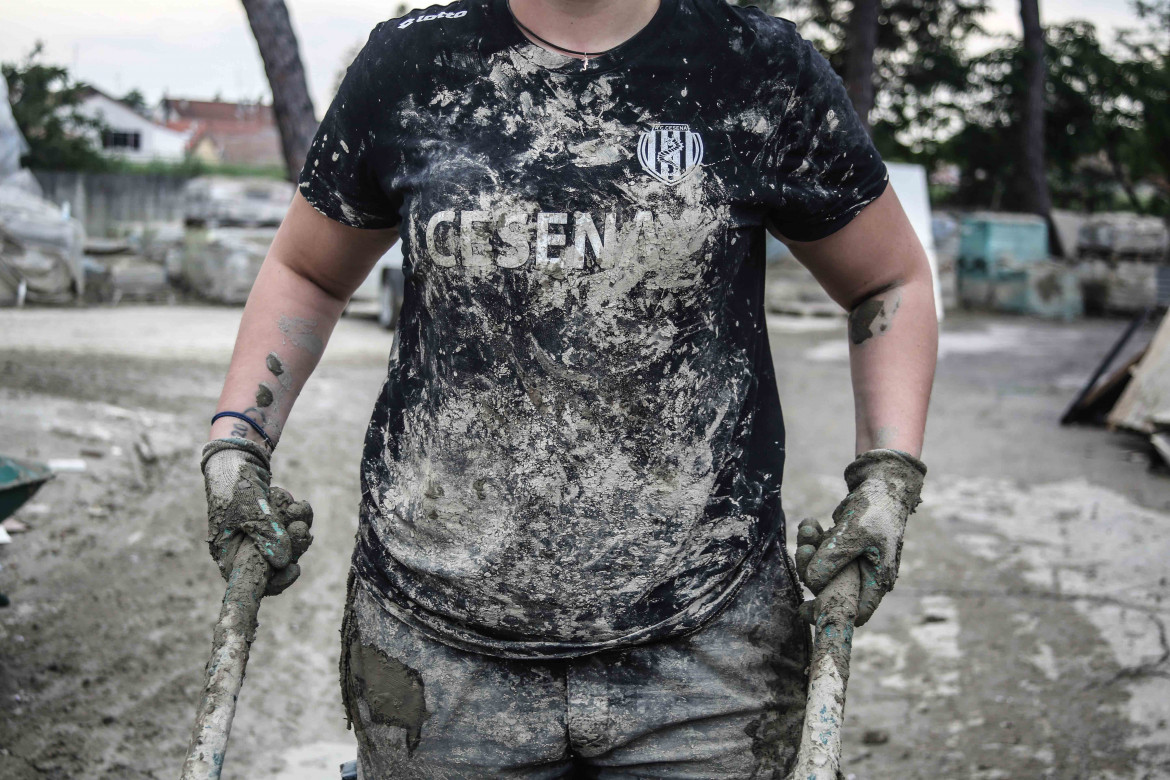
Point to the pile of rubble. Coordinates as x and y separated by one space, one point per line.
1122 260
40 246
164 263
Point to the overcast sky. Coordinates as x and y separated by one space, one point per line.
201 48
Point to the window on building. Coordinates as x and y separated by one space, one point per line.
118 139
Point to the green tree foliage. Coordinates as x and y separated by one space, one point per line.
1107 104
922 68
1148 68
136 102
1084 114
1103 111
1094 120
44 102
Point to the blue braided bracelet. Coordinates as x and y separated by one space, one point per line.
255 425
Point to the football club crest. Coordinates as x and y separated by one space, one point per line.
670 152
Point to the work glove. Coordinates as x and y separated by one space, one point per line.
242 504
884 488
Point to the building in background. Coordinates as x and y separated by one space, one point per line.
129 135
224 133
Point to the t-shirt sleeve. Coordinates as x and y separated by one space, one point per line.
825 165
347 162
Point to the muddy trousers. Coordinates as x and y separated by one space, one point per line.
725 702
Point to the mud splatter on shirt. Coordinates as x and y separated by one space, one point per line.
579 444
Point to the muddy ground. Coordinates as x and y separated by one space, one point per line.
1026 637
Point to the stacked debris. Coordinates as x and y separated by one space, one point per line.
221 201
230 225
1121 287
132 268
220 265
1134 396
41 246
1123 257
1121 237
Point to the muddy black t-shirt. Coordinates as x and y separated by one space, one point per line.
579 444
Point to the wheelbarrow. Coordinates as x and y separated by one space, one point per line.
19 480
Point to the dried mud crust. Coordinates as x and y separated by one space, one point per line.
113 593
99 661
170 385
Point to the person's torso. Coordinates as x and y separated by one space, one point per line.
574 443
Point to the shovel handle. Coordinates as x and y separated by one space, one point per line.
820 743
234 632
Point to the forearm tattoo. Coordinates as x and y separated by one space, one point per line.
874 316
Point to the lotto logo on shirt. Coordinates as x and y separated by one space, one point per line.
432 17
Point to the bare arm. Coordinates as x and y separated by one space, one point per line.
876 268
312 268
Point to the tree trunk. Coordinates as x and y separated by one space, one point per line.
1036 196
860 45
291 103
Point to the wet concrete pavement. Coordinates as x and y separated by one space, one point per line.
1025 638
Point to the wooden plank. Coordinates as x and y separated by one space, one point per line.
1100 400
1148 392
1161 442
1094 402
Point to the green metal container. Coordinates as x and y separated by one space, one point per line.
992 244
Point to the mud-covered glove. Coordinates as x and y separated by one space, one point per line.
884 488
241 503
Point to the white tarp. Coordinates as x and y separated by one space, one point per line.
12 143
910 185
41 248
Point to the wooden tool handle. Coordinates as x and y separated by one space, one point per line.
820 743
231 642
